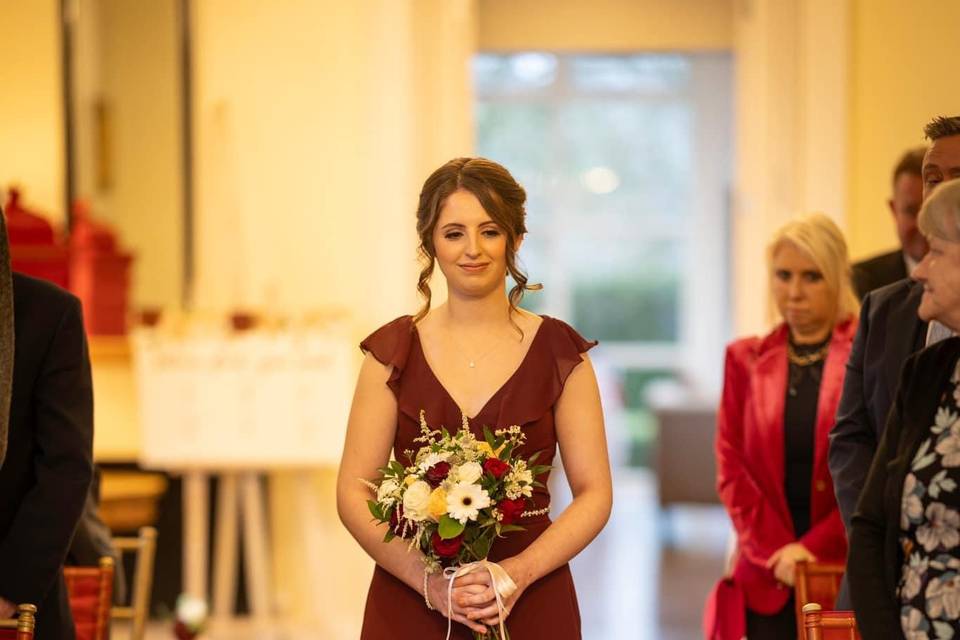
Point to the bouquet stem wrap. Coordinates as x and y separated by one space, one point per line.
503 587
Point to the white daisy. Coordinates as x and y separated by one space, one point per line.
464 501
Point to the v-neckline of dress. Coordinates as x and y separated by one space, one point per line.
506 383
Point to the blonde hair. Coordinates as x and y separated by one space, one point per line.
821 240
940 213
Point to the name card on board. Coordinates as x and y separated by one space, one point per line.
249 400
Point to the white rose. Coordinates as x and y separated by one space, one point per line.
469 472
386 490
416 501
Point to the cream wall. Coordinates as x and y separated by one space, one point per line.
31 111
139 68
791 131
605 25
903 74
316 124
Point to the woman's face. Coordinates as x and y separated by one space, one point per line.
471 248
801 293
939 271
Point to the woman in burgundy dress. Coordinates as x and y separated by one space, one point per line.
481 356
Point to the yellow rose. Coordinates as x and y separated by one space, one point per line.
437 505
409 480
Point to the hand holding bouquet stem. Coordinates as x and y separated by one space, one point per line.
456 496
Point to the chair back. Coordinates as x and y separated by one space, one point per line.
817 582
144 548
21 627
90 590
829 625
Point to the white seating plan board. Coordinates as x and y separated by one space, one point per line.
249 400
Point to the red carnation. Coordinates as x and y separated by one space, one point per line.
400 525
495 467
438 473
511 509
446 548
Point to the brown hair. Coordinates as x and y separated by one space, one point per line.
910 163
501 197
942 127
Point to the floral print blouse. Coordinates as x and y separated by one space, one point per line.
929 589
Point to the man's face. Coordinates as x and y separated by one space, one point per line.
905 205
942 162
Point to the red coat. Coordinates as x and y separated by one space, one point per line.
750 466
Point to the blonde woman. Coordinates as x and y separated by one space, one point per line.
779 398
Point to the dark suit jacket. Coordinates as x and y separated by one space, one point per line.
889 332
878 271
875 561
48 468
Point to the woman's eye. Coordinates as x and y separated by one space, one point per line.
491 233
813 276
782 275
453 235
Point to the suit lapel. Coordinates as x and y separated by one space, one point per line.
906 333
831 385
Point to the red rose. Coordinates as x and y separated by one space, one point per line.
495 467
511 509
438 473
446 548
398 523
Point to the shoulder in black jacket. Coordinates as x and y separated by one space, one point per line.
879 271
48 467
875 560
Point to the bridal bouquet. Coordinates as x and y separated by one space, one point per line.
457 495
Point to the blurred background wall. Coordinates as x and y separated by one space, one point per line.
315 123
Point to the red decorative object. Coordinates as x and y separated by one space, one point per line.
34 247
99 274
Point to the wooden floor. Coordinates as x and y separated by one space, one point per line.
646 565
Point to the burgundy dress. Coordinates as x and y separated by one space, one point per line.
548 607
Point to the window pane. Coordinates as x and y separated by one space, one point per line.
647 73
629 291
636 164
506 74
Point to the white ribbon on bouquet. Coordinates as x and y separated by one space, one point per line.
503 587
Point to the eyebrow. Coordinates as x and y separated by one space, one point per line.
460 225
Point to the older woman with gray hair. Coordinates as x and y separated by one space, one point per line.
904 561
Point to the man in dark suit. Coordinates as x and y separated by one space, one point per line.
904 204
889 332
46 434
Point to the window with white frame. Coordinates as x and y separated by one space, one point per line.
626 162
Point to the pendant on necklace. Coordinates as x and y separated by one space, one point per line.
472 364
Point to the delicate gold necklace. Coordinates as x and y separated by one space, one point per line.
472 361
806 359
